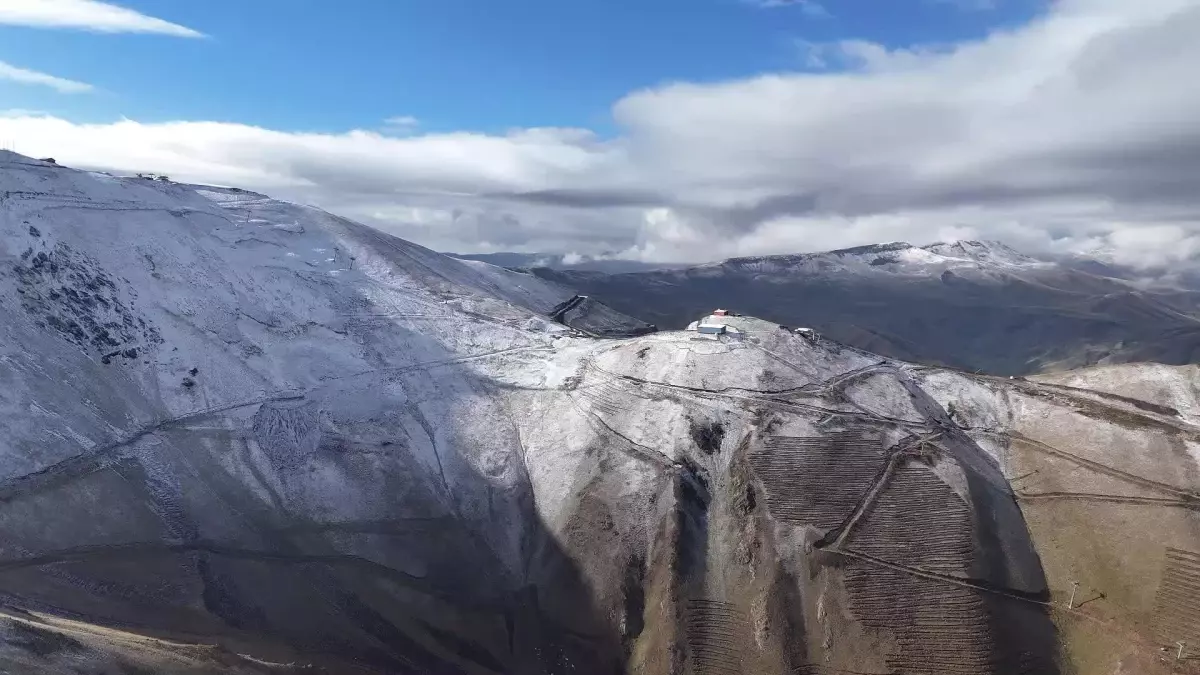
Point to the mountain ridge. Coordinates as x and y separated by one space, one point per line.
989 252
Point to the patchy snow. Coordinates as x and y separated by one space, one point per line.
881 394
1176 387
919 256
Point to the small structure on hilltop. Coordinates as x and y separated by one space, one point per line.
808 334
720 312
714 326
48 160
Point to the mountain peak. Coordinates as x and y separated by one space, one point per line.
988 251
872 248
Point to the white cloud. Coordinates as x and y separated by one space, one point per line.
23 76
814 55
1148 246
809 7
92 15
970 5
1079 129
21 112
401 125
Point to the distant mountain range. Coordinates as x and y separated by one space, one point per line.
968 304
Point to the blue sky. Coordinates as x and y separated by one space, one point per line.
478 65
657 130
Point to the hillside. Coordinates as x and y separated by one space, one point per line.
1105 464
241 435
973 305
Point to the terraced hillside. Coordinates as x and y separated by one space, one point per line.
1105 464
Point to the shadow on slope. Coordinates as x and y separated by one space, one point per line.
368 521
424 584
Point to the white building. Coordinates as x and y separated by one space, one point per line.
714 325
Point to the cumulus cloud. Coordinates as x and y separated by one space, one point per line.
23 76
1078 129
92 15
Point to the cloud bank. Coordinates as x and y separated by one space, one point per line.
91 15
1080 129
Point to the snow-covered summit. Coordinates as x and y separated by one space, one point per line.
889 258
993 252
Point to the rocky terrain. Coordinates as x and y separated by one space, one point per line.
973 305
240 435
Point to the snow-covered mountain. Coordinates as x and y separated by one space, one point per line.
895 258
974 305
240 435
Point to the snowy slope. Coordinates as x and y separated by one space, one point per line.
556 300
1174 387
241 435
201 371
